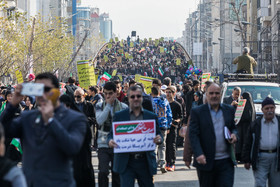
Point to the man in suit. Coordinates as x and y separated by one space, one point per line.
137 165
212 152
233 99
50 136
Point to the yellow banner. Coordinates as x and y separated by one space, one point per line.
131 44
114 72
121 44
19 76
120 77
120 51
178 61
146 81
161 50
116 39
109 45
106 58
126 55
156 42
86 74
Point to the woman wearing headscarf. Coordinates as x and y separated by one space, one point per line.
28 103
198 99
249 115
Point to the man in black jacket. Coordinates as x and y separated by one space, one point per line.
71 87
261 149
233 99
212 152
84 106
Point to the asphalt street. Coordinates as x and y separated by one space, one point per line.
184 177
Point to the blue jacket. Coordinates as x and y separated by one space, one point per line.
121 159
47 149
162 109
202 134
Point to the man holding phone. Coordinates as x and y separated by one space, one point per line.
50 135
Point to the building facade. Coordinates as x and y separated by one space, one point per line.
106 26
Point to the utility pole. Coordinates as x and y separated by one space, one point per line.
222 33
29 63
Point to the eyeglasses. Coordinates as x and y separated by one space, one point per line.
47 89
77 96
133 96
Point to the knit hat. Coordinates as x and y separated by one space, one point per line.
267 101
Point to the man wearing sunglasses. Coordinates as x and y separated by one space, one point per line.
50 136
84 106
213 153
135 165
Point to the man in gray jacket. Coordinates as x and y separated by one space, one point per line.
104 112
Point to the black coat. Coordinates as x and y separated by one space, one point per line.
82 164
88 110
188 101
202 134
252 144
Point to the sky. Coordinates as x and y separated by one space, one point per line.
149 18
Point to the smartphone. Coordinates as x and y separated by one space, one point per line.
53 95
32 89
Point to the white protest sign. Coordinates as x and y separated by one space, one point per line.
134 136
32 89
239 110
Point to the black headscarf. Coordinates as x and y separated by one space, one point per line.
249 113
66 99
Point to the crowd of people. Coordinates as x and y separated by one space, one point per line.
56 135
143 57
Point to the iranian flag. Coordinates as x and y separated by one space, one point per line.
160 71
16 143
106 76
152 68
